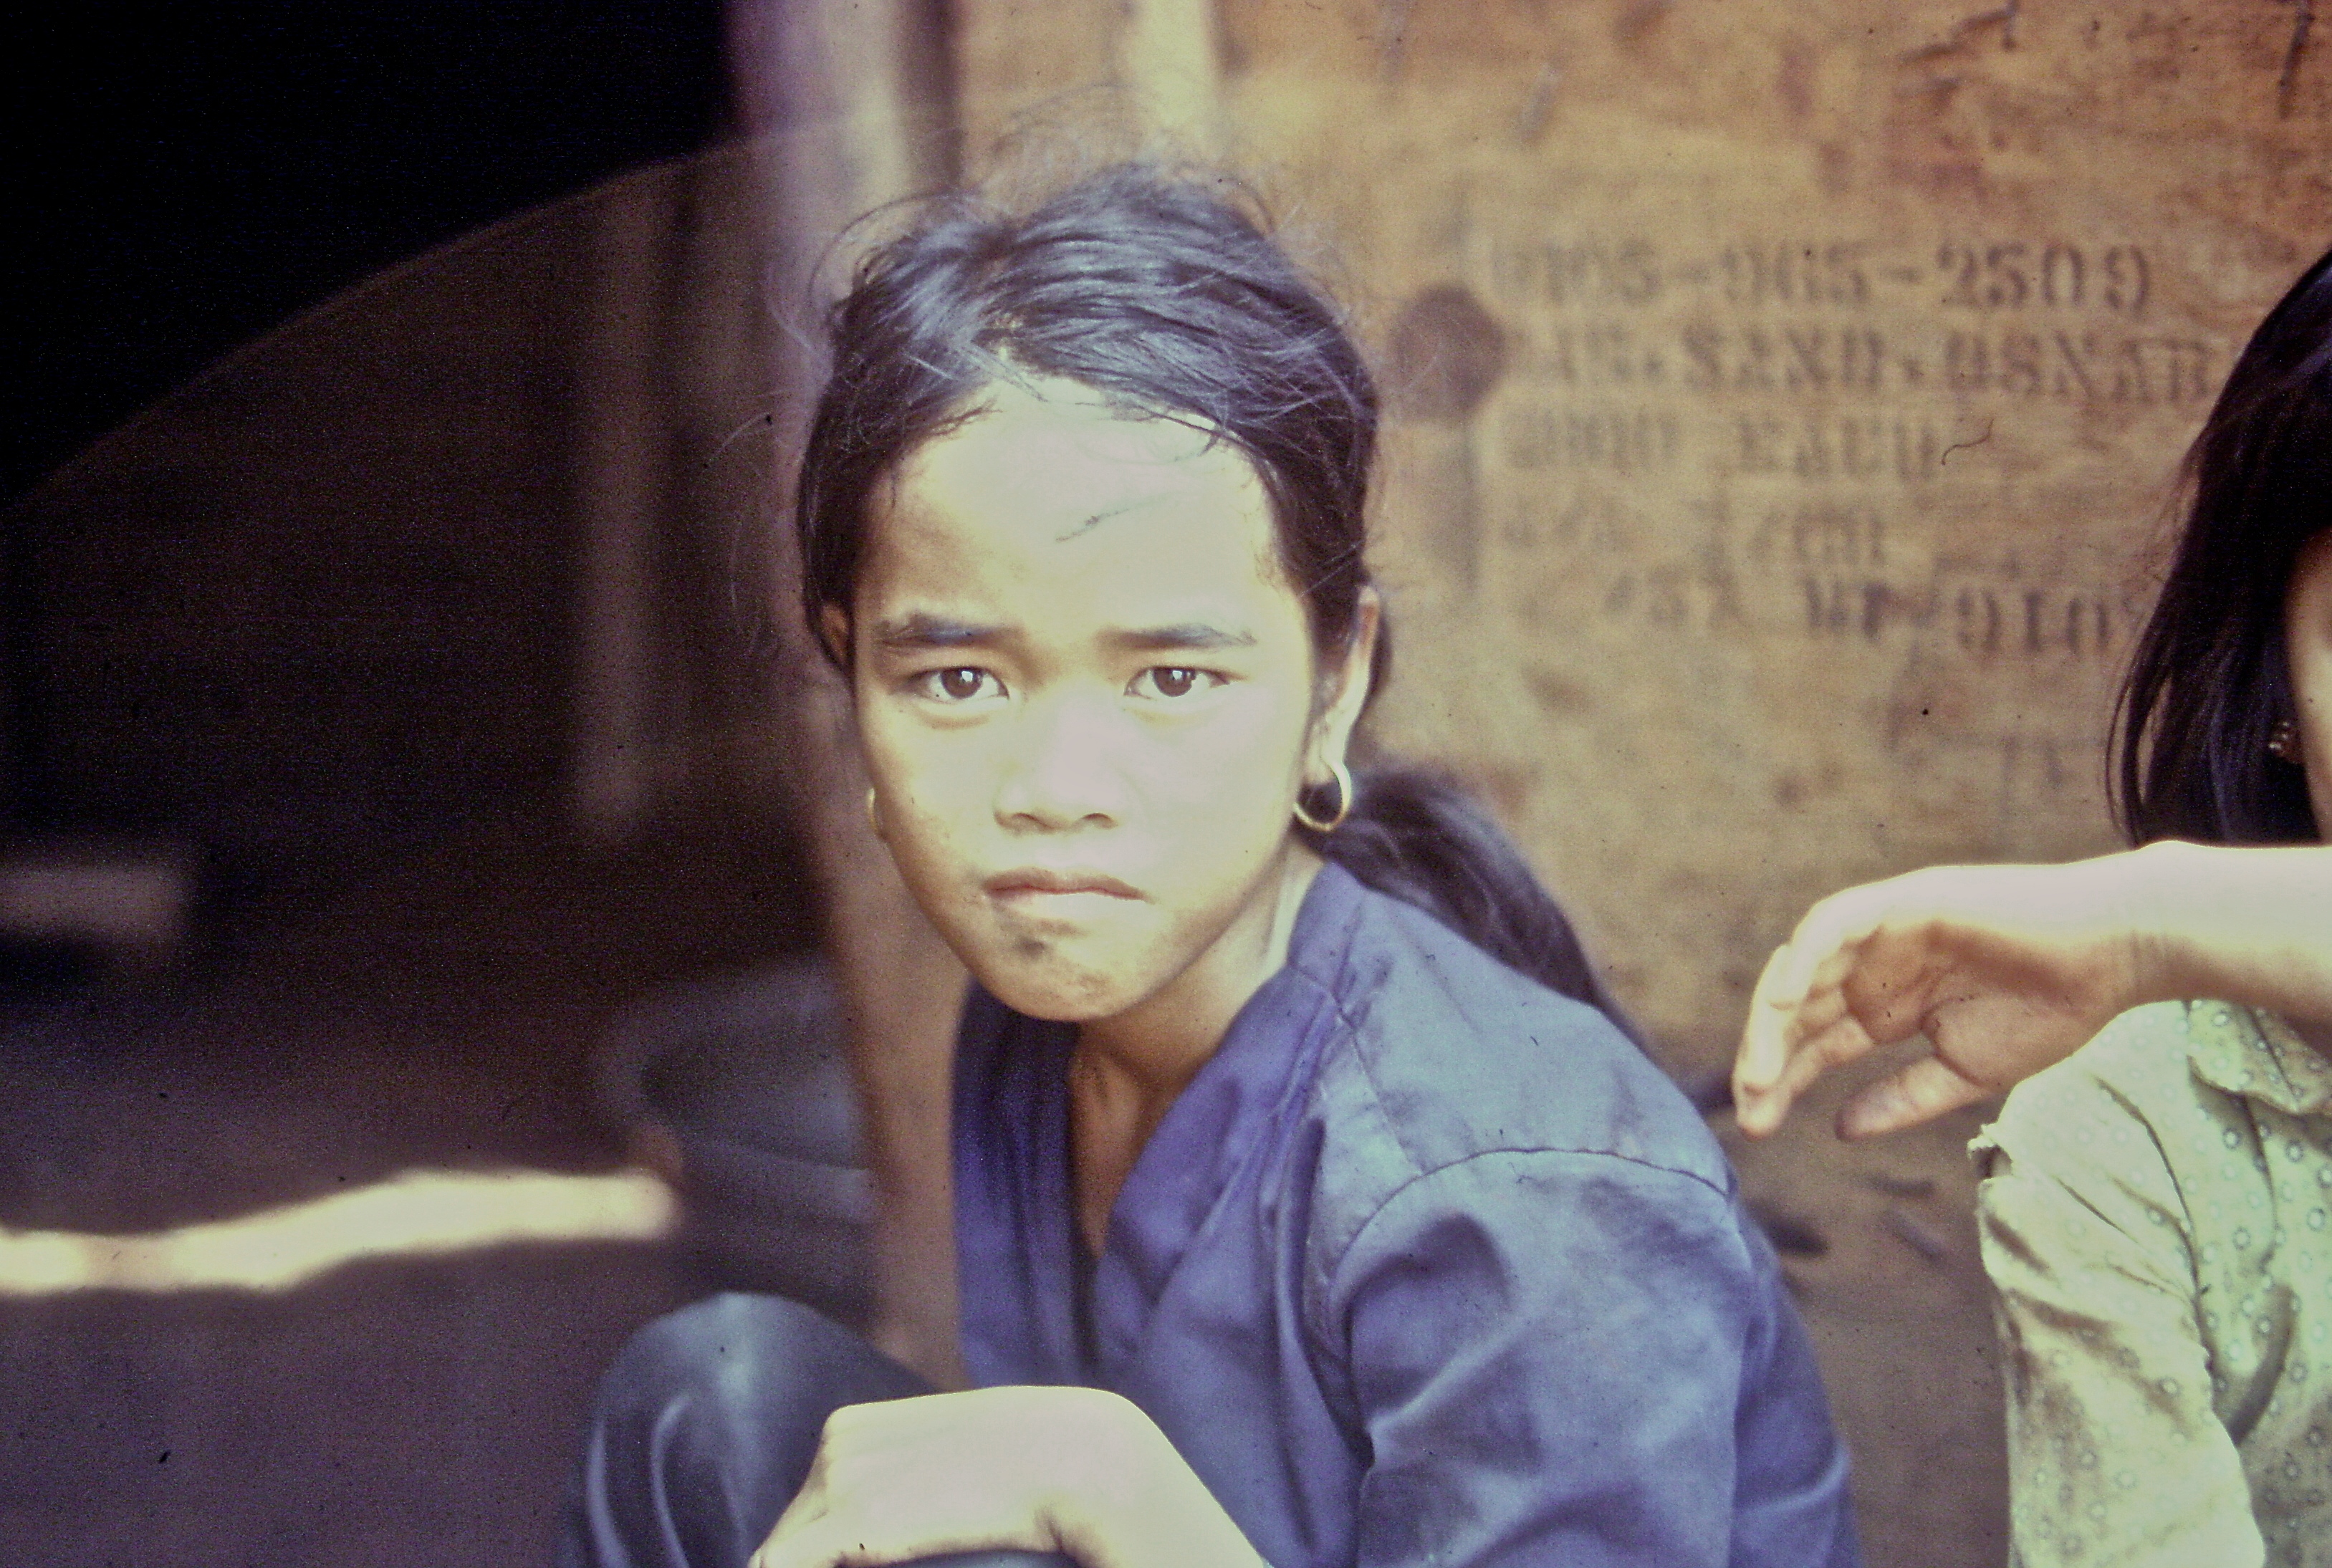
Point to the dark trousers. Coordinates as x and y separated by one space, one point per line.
706 1427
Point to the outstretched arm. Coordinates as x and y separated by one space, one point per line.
2007 968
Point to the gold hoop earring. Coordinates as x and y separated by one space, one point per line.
1343 780
874 812
2284 741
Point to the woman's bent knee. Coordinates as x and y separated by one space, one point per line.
705 1426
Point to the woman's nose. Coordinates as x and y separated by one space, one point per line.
1063 771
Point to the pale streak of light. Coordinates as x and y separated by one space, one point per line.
417 1213
1168 55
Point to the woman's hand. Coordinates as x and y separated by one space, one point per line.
2005 969
1072 1470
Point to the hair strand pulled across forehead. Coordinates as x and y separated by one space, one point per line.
1160 295
1168 300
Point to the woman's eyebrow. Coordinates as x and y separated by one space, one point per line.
1184 637
924 630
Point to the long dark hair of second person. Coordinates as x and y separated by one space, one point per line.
2209 682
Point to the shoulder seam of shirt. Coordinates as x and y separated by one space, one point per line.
1724 1197
1421 1169
1335 1267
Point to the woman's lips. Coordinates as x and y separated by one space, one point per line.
1036 886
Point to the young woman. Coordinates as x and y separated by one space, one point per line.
2154 1212
1295 1226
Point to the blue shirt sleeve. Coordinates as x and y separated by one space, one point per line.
1548 1354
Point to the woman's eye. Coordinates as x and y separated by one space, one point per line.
1172 681
956 685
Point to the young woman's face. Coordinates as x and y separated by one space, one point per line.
2307 643
1085 692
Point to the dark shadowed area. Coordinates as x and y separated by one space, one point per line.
307 627
394 1409
182 177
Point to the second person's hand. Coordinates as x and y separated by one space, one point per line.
2005 969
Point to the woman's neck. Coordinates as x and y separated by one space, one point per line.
1127 1070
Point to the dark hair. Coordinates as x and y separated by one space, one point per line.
1421 838
1159 295
2210 679
1168 298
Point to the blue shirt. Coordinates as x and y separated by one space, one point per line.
1425 1265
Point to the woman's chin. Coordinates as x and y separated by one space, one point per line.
1054 998
1054 985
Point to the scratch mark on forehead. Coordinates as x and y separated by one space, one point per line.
1098 518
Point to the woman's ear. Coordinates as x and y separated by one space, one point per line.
833 629
1332 731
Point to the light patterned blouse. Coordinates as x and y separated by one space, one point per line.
2155 1217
